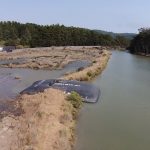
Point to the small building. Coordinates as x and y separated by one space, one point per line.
9 48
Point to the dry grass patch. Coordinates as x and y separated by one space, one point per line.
46 124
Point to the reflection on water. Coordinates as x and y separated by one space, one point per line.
121 120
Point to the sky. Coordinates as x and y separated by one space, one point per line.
109 15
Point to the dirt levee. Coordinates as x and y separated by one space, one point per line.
46 123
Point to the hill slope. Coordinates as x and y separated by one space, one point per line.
126 35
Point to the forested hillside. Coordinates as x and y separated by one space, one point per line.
33 35
128 36
141 43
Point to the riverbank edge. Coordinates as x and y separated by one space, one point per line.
92 71
34 129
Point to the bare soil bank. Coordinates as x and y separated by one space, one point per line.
47 121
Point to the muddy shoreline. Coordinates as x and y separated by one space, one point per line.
46 120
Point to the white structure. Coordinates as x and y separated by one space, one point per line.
1 49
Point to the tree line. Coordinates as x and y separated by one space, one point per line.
33 35
141 43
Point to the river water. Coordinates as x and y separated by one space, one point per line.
121 119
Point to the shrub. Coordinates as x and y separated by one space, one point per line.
19 46
39 114
94 61
84 78
89 73
80 69
75 99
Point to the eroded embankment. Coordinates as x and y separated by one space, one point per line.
47 121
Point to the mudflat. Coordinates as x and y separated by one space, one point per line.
49 57
46 120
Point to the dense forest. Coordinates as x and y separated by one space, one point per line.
141 43
33 35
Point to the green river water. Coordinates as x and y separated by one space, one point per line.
121 118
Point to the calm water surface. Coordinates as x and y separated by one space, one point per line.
121 119
10 87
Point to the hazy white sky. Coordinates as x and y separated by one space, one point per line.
109 15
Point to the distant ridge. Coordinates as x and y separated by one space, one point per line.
129 36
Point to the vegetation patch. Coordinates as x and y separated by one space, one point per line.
89 73
94 61
141 43
75 99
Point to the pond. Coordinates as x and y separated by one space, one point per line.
13 81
